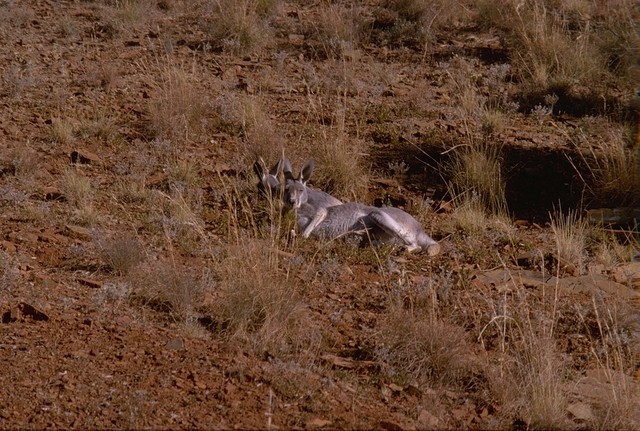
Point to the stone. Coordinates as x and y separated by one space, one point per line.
175 344
581 412
84 157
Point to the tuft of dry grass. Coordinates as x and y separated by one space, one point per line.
62 130
103 126
135 12
173 290
121 253
177 106
616 171
539 375
615 351
259 304
338 29
240 26
417 345
341 157
419 19
23 162
76 188
476 171
569 46
570 231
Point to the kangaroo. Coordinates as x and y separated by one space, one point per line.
297 193
387 225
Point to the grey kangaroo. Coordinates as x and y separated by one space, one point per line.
387 225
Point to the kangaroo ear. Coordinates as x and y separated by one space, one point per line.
260 168
306 171
275 169
285 166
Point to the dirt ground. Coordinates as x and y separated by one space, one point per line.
79 348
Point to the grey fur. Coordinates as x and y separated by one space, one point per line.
297 192
316 217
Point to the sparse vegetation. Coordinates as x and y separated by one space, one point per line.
150 284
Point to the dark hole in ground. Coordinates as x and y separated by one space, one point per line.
538 181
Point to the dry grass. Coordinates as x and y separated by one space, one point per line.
421 18
570 231
416 345
173 290
567 46
528 377
62 130
609 251
102 126
177 106
240 26
553 57
23 162
76 189
259 130
615 351
615 169
539 374
130 13
337 28
121 253
259 304
476 172
341 157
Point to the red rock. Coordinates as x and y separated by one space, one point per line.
84 157
94 284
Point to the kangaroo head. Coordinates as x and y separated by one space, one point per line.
296 193
268 178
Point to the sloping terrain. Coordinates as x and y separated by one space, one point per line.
145 283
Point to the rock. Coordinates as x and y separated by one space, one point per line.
52 194
24 311
628 274
84 157
79 231
613 216
94 284
427 421
389 426
318 423
175 344
581 412
22 237
8 246
601 283
296 39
